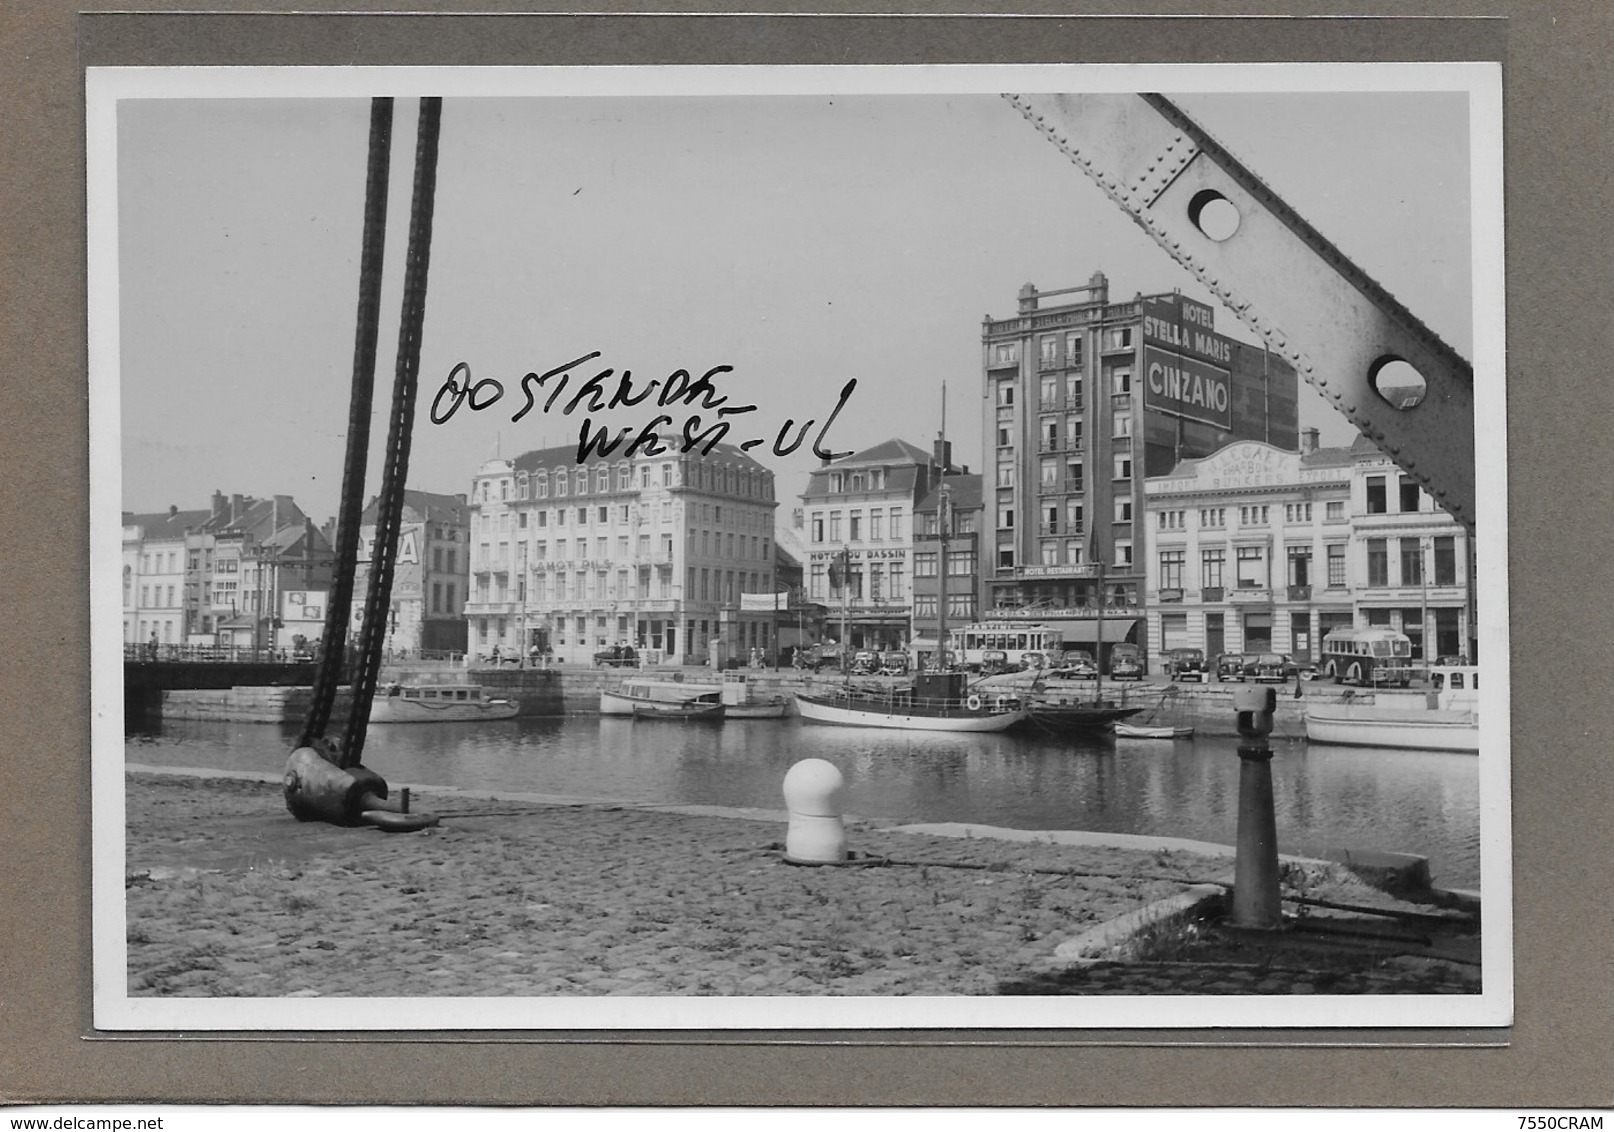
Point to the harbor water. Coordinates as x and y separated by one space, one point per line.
1359 798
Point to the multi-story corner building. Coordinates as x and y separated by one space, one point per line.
862 507
965 508
648 550
1256 549
431 575
159 594
1084 399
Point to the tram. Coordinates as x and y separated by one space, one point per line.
1004 643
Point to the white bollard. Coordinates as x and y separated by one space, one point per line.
813 794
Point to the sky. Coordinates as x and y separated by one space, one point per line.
803 240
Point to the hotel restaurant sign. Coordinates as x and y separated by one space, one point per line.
1245 465
1185 362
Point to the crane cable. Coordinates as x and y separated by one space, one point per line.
333 642
395 472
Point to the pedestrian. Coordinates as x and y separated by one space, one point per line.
151 646
495 654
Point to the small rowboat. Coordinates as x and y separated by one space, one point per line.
697 711
775 708
1133 731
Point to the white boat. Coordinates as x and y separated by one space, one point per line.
438 703
933 702
652 692
1447 719
1133 731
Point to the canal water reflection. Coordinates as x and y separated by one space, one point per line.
1362 798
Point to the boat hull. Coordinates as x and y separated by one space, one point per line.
771 710
395 710
1388 727
685 712
622 702
1078 717
849 713
1128 731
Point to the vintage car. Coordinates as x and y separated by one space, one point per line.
994 661
1186 664
865 661
1126 663
1230 665
617 656
1271 667
1074 664
1033 660
893 662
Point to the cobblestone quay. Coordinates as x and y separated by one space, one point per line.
229 895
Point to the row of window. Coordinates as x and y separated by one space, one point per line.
886 581
537 485
1254 515
873 526
1251 564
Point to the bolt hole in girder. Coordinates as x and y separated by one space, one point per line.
1398 382
1213 214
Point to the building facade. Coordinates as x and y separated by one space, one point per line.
965 511
859 510
1084 399
649 550
431 574
159 591
1256 549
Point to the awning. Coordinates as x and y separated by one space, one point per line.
1084 631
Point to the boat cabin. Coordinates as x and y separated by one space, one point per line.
437 693
1454 687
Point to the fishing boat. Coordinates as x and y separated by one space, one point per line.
742 700
1053 713
695 711
1139 731
657 692
1445 719
438 703
934 701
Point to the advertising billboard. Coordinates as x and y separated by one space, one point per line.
1185 362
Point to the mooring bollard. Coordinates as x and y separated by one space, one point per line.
1255 869
813 791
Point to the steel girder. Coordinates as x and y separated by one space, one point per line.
1310 303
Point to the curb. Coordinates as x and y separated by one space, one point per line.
1110 940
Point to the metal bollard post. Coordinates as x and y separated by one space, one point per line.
1255 869
816 835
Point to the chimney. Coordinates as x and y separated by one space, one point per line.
1308 440
1099 286
1028 299
218 504
941 453
173 509
236 507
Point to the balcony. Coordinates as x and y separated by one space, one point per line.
1212 593
1299 593
1258 595
1171 595
1073 402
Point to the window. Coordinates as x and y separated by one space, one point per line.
1297 512
1049 472
1411 562
960 563
818 526
1073 392
1123 467
1123 509
1006 392
1005 558
896 522
1211 565
1073 349
960 606
1378 562
1171 565
1073 476
1123 553
560 483
1005 518
816 584
1123 424
856 525
1048 350
1050 392
1074 517
1300 565
1335 512
924 564
1118 338
1005 474
1336 565
894 573
1409 494
876 524
1121 381
1252 567
1005 437
582 516
1050 521
1376 504
1445 561
1048 552
834 526
624 478
666 475
924 606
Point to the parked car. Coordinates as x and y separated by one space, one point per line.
994 661
1075 665
1270 667
1032 660
1126 663
864 662
1186 664
893 663
617 656
1230 666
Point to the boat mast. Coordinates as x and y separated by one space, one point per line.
941 575
1098 646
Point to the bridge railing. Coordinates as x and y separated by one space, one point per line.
223 654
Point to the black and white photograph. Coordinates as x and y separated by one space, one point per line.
798 548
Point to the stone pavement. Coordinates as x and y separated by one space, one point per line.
228 895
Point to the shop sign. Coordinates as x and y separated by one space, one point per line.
1185 387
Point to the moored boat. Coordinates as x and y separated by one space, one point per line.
652 691
1448 719
697 711
1062 715
438 703
775 707
935 701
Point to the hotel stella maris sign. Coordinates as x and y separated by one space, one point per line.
1185 362
1244 466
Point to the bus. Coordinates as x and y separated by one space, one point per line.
1006 644
1367 656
